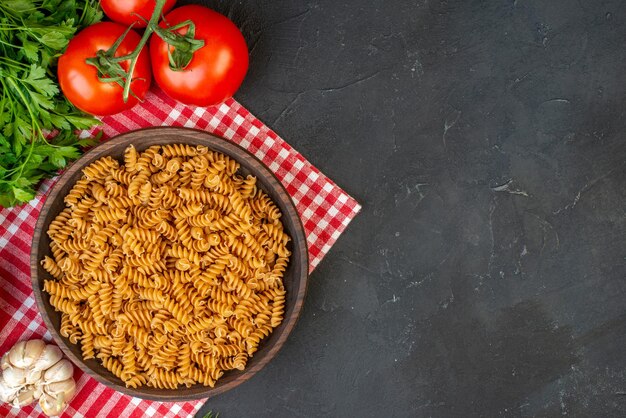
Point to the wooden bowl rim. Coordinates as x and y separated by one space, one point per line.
232 149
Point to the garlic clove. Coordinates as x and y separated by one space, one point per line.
32 351
7 393
33 376
4 362
50 355
60 371
25 397
52 405
67 387
16 354
25 353
14 377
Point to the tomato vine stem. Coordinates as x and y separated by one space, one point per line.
109 66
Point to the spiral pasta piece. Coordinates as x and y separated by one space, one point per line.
100 168
201 196
252 342
123 176
52 267
83 207
145 191
182 150
200 220
204 361
144 160
86 344
278 306
99 193
136 380
188 210
237 284
178 251
63 304
77 192
109 215
176 310
136 183
114 366
236 362
164 379
130 158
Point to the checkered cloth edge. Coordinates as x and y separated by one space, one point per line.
325 209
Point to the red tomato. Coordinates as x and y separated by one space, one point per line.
79 80
216 70
124 11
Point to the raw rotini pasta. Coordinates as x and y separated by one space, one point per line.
167 267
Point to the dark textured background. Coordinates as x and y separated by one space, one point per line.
485 140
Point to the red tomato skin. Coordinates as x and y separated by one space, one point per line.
122 11
216 70
79 80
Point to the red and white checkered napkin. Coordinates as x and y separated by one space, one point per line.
325 210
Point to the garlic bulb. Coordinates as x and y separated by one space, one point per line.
33 370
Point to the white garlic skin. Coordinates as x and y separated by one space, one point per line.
7 393
60 371
66 387
4 362
33 376
52 405
16 354
56 396
38 390
25 353
25 397
14 377
50 355
33 350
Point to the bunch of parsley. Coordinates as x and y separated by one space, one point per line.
37 123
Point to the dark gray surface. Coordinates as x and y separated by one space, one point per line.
485 140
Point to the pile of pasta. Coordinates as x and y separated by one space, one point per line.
168 268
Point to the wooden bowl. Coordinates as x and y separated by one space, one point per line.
295 278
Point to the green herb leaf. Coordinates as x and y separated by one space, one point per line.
29 49
23 195
57 160
38 79
6 198
91 14
19 5
68 152
82 122
54 40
